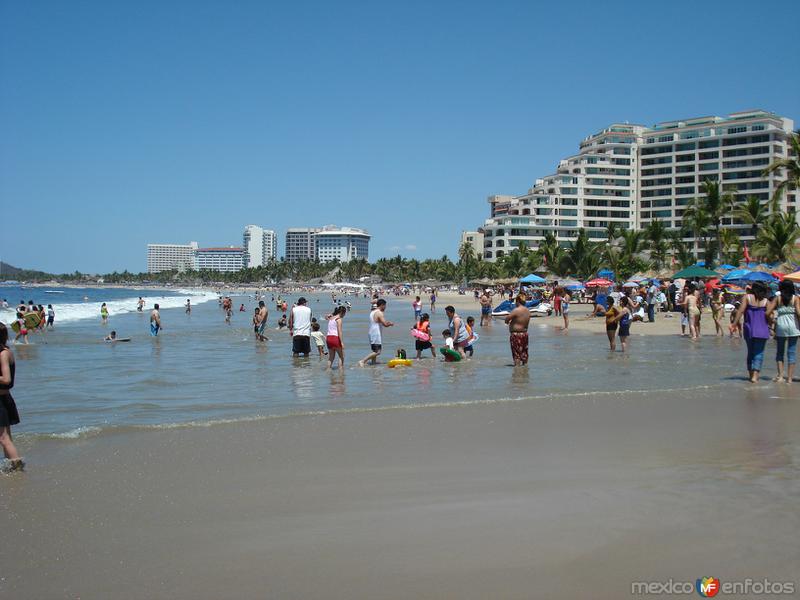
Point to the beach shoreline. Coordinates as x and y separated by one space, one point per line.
536 498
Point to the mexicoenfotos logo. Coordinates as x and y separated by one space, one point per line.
707 587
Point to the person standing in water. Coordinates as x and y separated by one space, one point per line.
756 331
51 316
9 415
188 306
565 299
624 318
300 328
261 320
140 304
611 323
486 308
155 321
377 321
786 309
104 313
458 330
334 337
517 322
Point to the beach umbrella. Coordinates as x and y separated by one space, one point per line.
727 267
630 284
695 271
734 289
599 282
532 278
736 274
758 276
605 274
795 277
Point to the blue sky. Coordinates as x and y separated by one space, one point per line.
123 123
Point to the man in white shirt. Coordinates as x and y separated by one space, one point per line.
300 328
377 321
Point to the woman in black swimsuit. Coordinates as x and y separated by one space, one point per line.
8 410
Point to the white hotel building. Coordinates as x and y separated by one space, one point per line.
341 243
226 259
260 246
326 243
169 257
632 175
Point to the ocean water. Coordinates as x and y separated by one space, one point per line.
200 370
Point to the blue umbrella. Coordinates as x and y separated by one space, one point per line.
758 276
736 275
532 278
727 266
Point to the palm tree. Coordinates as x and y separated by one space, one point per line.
550 251
716 204
696 221
656 232
792 166
731 248
631 242
751 211
777 238
612 231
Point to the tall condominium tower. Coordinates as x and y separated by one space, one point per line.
300 243
260 246
631 175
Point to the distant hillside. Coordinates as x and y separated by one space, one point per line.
6 270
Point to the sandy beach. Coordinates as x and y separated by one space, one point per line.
574 498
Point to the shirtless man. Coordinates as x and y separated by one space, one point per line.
140 304
155 321
261 321
517 322
486 308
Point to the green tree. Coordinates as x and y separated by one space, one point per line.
777 238
792 167
751 211
716 205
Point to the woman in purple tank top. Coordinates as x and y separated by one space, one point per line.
756 330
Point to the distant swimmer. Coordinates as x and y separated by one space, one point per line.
517 322
112 337
241 308
155 321
188 306
104 313
282 322
140 304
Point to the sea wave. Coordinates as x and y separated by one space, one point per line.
85 432
70 312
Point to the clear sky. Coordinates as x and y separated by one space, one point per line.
123 123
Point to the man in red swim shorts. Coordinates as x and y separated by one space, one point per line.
517 322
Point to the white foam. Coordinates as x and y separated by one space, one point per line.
66 313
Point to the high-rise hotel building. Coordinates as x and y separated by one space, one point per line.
169 257
326 243
260 246
631 175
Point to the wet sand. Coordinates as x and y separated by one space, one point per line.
573 497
